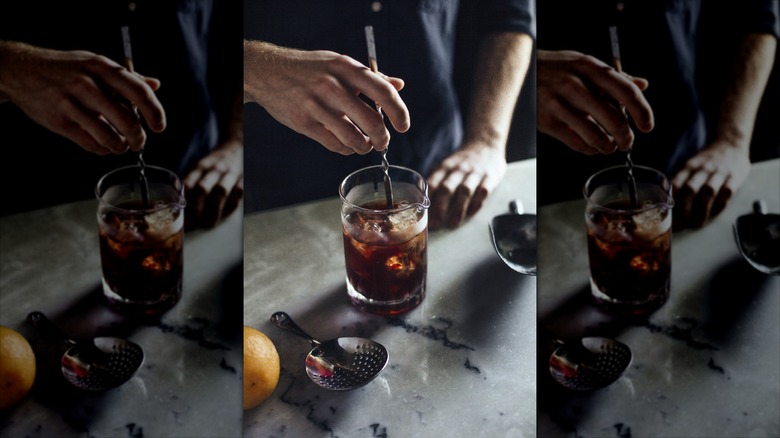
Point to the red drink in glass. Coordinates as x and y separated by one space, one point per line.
629 244
385 249
141 242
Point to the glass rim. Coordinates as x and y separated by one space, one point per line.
669 202
426 203
181 203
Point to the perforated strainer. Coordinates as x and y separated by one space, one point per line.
594 364
338 364
99 365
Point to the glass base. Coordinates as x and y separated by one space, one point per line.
636 308
386 308
146 308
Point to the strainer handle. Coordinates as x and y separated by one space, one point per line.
47 328
283 320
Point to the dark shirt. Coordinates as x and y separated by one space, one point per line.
680 46
192 46
415 40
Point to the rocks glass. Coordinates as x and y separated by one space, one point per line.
629 243
141 232
385 247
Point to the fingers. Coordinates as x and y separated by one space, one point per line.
625 90
699 196
75 133
398 83
594 137
114 124
214 197
587 104
642 83
110 122
93 132
213 190
136 89
356 124
459 189
153 83
458 197
322 135
385 93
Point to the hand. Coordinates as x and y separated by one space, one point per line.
317 93
81 96
461 183
576 97
215 187
707 182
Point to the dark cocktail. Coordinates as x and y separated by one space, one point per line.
385 249
141 240
629 241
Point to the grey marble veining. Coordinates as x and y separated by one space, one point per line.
462 364
190 383
706 364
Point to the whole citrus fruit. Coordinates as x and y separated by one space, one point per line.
261 367
17 367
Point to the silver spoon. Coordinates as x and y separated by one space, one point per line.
102 364
758 239
594 363
514 238
338 364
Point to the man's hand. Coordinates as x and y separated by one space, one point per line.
215 187
705 185
82 96
461 183
580 102
317 93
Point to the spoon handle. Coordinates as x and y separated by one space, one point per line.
283 320
41 323
516 206
85 349
759 206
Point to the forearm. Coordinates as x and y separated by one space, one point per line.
8 51
501 69
261 60
742 96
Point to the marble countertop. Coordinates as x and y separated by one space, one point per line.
706 364
462 364
190 384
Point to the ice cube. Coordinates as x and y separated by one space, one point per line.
403 219
159 219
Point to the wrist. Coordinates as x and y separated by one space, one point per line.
8 51
731 136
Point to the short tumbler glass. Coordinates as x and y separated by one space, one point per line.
385 247
141 238
629 241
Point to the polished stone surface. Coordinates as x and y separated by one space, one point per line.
462 364
706 364
190 383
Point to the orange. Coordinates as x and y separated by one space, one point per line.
17 367
261 367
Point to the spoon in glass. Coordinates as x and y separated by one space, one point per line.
99 365
338 364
